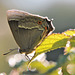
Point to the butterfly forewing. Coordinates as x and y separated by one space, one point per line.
26 38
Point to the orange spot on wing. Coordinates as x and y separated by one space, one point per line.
40 22
45 28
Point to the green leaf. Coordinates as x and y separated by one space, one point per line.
70 32
72 41
52 42
42 69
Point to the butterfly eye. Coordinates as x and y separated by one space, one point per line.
40 22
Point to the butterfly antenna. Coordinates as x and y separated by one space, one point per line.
10 51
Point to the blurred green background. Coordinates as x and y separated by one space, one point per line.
62 11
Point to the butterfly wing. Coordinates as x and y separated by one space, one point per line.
25 32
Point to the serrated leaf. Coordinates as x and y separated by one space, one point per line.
70 32
52 42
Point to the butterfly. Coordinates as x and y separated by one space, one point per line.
28 30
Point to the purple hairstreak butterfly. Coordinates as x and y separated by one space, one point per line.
28 30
